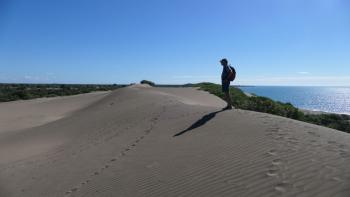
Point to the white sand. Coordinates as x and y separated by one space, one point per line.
18 115
124 145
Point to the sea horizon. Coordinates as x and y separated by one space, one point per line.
330 99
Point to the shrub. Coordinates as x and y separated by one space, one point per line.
148 82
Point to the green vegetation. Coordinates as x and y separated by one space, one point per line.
267 105
151 83
12 92
340 122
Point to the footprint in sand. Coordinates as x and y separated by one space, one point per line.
280 189
277 162
71 191
272 152
282 186
272 173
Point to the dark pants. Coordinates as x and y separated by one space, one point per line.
225 86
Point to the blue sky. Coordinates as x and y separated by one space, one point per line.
270 42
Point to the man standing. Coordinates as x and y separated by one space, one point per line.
225 82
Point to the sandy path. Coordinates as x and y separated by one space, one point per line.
124 145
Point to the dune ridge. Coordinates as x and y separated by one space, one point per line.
24 114
125 144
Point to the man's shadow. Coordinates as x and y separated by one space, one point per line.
200 122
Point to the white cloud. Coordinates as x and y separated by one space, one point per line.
303 73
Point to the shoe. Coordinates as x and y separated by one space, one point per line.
227 107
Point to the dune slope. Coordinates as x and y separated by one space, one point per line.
143 141
18 115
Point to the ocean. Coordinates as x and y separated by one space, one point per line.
327 99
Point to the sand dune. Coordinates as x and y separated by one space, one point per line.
25 114
144 141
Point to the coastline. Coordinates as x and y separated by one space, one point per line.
318 112
302 109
